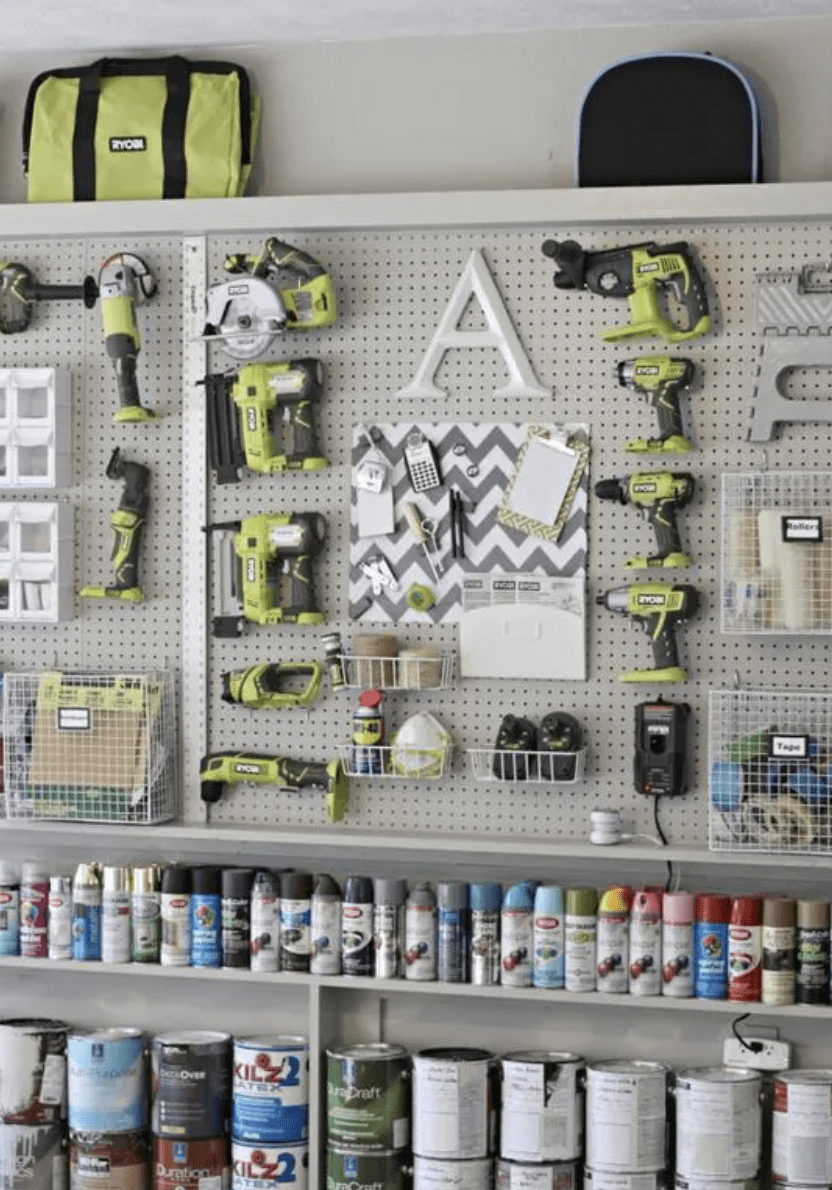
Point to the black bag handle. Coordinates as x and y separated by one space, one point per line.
178 74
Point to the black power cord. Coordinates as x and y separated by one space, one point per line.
663 838
753 1047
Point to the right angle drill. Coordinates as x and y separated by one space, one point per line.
657 495
662 378
657 607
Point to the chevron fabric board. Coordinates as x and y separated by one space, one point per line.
492 448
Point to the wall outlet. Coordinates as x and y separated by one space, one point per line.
774 1055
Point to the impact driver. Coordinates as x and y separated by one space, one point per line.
657 495
662 379
127 523
220 769
658 608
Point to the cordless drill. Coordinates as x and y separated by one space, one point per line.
636 272
219 769
657 607
243 410
124 282
657 495
662 379
127 523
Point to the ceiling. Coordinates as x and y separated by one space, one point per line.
114 25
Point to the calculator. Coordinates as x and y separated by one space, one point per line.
422 464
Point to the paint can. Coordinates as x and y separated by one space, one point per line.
626 1116
547 937
420 934
261 1167
59 925
779 950
486 900
613 942
33 1157
191 1081
681 1183
601 1179
517 936
710 946
357 927
718 1123
646 943
580 940
115 914
368 1104
9 910
745 949
32 1071
453 931
455 1097
191 1164
145 915
549 1175
432 1174
802 1125
325 926
389 895
678 913
107 1081
295 921
347 1169
542 1106
812 975
236 916
206 917
270 1089
86 913
34 901
108 1161
265 921
175 910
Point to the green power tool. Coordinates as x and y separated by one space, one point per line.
662 378
127 523
273 686
220 769
657 495
658 608
124 282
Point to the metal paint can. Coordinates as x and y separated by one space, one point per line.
517 936
261 1167
580 940
432 1174
326 926
626 1116
206 917
34 901
59 925
420 934
265 921
549 1175
613 946
812 975
542 1106
108 1161
86 913
548 937
389 896
455 1097
236 916
33 1157
681 1183
9 910
270 1090
145 915
347 1169
601 1179
646 943
453 931
107 1081
32 1071
718 1123
710 946
191 1084
295 921
357 926
191 1164
745 949
779 950
368 1104
678 912
486 900
802 1125
115 914
175 911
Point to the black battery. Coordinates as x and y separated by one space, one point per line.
660 762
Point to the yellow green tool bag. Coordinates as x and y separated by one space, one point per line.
139 128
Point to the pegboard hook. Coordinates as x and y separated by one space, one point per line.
737 681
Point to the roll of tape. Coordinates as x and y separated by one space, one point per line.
605 827
777 823
726 785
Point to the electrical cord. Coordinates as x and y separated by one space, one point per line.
663 837
753 1047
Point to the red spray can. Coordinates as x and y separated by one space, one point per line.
745 948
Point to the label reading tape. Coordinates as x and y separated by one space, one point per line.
801 528
789 747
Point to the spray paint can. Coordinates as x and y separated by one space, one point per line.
295 921
265 921
115 914
326 925
388 927
580 940
145 915
547 937
175 901
613 966
10 910
646 943
779 950
206 917
453 932
812 975
86 913
486 900
745 949
59 928
517 936
34 902
357 958
710 946
236 916
334 659
678 913
420 934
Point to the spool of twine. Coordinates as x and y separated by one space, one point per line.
420 667
372 671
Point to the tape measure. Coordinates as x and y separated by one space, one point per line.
419 597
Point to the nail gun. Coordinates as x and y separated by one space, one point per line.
220 769
245 315
256 555
242 410
636 272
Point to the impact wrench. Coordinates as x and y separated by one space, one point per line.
657 607
657 495
661 378
124 282
127 523
220 769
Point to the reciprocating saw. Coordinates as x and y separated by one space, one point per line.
658 608
221 769
637 272
661 378
657 495
127 523
245 410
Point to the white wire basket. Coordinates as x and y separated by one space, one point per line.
770 771
535 768
408 671
94 747
777 552
378 761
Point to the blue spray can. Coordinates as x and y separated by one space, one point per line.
206 932
86 913
710 947
516 935
453 932
486 902
9 910
547 937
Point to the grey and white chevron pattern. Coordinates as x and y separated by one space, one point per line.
784 306
489 546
